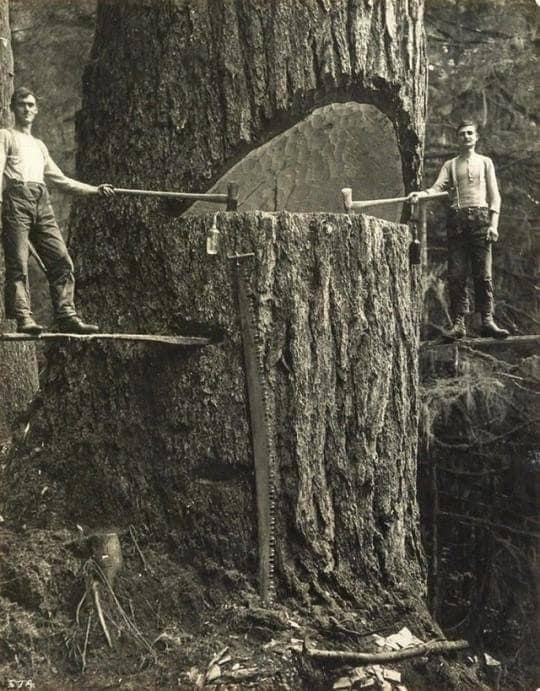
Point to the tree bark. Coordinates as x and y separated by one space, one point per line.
18 368
175 93
158 437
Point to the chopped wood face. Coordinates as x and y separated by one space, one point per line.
303 169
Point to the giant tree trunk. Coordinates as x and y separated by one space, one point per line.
175 93
18 369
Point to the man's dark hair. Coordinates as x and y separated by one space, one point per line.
20 92
467 122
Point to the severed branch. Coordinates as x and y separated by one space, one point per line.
390 656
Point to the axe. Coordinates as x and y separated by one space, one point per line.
417 216
349 205
230 199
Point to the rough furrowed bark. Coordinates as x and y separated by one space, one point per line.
159 436
176 92
18 368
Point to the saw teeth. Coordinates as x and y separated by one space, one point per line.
254 345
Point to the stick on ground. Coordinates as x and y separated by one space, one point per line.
390 656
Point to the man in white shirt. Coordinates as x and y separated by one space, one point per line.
27 215
473 220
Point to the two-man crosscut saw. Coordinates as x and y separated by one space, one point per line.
260 424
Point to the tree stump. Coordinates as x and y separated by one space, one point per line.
160 437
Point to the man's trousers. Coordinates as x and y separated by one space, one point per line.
27 214
467 246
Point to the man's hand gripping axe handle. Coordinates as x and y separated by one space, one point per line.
350 205
417 215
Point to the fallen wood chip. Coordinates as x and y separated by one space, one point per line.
342 683
271 644
403 639
245 674
491 661
369 658
392 674
218 657
358 674
213 673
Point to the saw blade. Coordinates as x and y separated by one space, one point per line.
260 424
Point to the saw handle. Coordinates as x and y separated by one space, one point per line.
349 205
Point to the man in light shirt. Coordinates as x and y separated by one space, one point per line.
27 215
473 219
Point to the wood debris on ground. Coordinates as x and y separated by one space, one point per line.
216 673
397 641
373 677
377 677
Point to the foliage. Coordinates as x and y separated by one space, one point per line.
478 474
479 461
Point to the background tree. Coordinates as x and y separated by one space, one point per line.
478 464
18 368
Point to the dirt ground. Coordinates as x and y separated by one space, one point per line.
173 625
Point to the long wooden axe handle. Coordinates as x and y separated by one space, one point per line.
349 205
230 199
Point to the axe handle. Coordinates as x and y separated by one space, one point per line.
231 198
173 195
348 203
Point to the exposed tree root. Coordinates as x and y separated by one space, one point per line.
99 610
83 656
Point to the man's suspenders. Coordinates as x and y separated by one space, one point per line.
453 175
454 179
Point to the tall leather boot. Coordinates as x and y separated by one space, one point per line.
490 329
458 329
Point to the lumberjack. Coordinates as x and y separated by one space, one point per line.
472 224
27 216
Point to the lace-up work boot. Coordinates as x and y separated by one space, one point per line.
490 329
27 325
458 329
75 325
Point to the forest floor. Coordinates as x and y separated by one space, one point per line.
181 626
